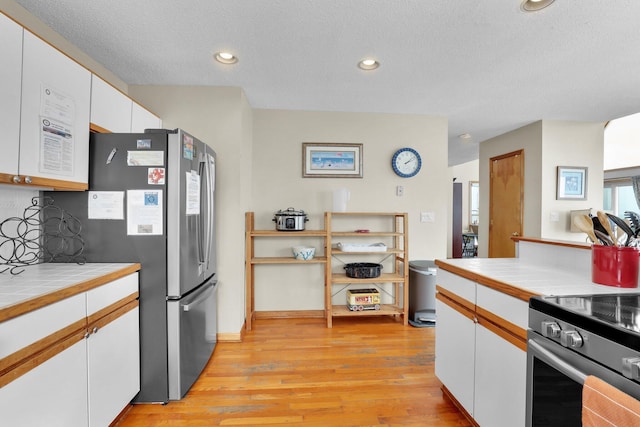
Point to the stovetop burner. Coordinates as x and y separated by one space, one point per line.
615 316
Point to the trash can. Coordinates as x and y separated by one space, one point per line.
422 293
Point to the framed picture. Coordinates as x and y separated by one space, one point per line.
572 183
331 160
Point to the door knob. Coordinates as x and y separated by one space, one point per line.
515 234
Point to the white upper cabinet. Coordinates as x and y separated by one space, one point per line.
142 119
10 82
113 111
54 125
110 108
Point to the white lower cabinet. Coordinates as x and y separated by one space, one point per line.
500 381
455 344
483 371
92 375
114 368
52 394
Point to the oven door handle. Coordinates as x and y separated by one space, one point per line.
557 362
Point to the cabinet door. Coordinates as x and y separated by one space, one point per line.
455 344
142 119
52 394
110 109
54 126
10 82
500 381
114 368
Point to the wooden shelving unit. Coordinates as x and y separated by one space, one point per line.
251 260
398 249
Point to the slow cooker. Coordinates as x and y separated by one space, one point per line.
290 220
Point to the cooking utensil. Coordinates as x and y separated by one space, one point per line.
290 220
622 225
604 238
584 224
604 220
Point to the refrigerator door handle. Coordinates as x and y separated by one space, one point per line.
201 221
208 215
204 294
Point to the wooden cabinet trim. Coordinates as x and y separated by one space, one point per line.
113 311
37 359
461 305
503 328
38 302
39 346
40 183
37 353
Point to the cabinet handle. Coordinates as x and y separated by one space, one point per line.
95 330
87 334
16 179
27 180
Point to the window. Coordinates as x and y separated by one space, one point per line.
618 197
474 203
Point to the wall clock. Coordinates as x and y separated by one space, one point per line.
406 162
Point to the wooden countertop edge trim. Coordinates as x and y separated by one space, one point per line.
564 243
43 300
489 282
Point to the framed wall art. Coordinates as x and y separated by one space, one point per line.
331 160
572 183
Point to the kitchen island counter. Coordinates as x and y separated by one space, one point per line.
523 279
43 284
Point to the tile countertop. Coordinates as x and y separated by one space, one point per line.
42 284
523 280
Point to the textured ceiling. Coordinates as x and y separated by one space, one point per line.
485 65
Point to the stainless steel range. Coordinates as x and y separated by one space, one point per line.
571 337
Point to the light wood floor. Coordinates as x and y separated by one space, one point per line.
296 372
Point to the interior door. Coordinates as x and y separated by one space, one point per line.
506 199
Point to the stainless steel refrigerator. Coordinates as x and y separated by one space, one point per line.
151 200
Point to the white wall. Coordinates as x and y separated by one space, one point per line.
570 144
221 117
546 144
278 184
529 139
621 138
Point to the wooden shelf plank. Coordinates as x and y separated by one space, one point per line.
388 251
369 234
276 233
385 310
287 260
384 277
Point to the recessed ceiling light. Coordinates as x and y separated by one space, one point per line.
368 64
534 5
225 58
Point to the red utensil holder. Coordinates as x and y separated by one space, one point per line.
615 266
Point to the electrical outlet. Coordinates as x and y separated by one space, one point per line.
399 191
427 217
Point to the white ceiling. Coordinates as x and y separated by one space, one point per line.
485 65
